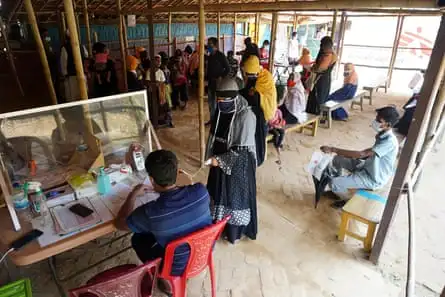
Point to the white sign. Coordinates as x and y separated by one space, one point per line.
131 20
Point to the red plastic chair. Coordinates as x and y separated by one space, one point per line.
123 281
201 245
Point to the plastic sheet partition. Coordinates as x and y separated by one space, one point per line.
58 138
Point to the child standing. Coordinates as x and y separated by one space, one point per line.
276 128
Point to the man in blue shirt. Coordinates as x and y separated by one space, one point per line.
371 168
177 212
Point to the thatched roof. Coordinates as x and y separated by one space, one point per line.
106 9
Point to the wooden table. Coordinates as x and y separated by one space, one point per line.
33 253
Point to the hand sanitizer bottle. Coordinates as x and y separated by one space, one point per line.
103 182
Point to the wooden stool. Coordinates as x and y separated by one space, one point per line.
366 207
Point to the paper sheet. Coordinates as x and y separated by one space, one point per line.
69 222
50 236
319 162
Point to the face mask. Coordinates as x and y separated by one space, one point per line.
210 49
227 106
266 47
47 39
376 126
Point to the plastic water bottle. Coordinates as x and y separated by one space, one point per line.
103 182
41 207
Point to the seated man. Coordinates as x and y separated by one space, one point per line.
371 168
177 212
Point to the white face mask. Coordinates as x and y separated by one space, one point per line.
376 126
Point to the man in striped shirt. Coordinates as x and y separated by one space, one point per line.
177 212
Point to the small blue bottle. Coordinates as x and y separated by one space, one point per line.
103 182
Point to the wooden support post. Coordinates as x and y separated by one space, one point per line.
334 25
122 43
273 41
153 86
234 33
87 28
340 41
433 78
395 48
295 25
63 24
77 57
4 33
95 37
169 34
125 32
218 29
257 28
41 50
202 33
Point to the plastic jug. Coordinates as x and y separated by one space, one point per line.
103 182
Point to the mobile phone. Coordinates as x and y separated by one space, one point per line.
25 239
81 210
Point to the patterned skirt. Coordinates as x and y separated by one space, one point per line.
235 195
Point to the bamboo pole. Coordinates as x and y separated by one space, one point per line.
41 50
87 27
202 34
95 37
395 47
77 57
72 27
122 44
218 28
334 25
4 32
125 32
295 24
234 33
257 28
153 85
43 59
273 39
340 41
63 23
169 34
408 156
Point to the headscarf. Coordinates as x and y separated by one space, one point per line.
132 63
295 98
351 76
264 85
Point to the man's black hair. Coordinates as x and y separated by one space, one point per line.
230 53
188 49
247 41
99 47
294 34
213 40
266 42
389 114
162 166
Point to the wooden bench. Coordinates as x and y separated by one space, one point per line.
366 207
328 107
374 87
311 124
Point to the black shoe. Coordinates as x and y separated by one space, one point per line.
338 204
330 195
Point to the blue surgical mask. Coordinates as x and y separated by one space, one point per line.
210 50
227 106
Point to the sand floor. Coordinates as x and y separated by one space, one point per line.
296 252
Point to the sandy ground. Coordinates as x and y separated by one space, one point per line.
296 252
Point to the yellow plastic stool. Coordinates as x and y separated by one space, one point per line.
366 207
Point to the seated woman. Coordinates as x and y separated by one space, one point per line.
294 104
346 92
